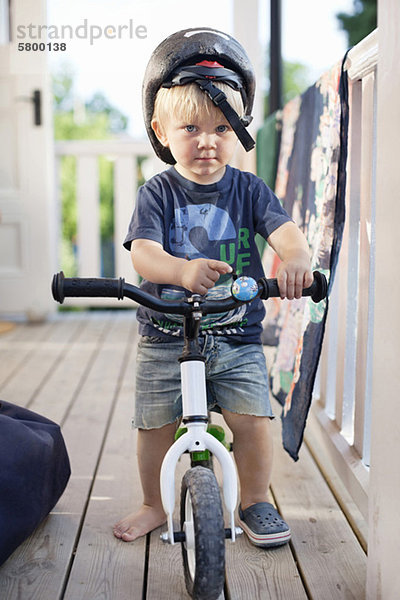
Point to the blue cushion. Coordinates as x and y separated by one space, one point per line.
34 471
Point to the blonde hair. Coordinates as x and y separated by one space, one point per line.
189 101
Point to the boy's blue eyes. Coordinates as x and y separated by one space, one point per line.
193 128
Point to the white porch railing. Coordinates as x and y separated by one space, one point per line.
124 155
340 420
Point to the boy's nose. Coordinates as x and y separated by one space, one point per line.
206 140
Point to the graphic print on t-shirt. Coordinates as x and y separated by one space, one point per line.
197 231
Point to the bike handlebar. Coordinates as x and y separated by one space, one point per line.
63 287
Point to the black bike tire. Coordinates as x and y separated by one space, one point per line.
209 532
208 463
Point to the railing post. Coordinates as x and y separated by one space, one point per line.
362 406
350 288
383 573
89 254
125 185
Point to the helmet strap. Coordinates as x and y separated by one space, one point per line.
219 99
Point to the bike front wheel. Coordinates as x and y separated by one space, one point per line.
203 551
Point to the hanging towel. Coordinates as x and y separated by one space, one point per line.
311 181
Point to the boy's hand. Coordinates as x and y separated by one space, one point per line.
294 272
293 276
201 274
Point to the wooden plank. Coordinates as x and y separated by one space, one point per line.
39 567
16 346
329 354
166 578
362 407
105 567
99 147
62 385
24 330
329 556
6 326
262 574
26 380
324 436
347 274
165 575
315 438
258 573
165 569
353 247
384 506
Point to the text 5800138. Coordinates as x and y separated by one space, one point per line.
42 46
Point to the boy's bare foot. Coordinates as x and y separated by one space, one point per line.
139 523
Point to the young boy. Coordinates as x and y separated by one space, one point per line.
192 225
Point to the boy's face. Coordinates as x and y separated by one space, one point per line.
201 148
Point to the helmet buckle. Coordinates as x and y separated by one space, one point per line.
219 98
216 95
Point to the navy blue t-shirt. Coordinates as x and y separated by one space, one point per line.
217 221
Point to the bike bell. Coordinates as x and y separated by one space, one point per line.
244 288
203 56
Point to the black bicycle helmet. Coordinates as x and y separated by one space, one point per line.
200 55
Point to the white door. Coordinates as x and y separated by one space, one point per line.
27 246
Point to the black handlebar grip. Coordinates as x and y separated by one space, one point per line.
317 290
78 287
269 288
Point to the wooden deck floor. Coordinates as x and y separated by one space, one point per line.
78 370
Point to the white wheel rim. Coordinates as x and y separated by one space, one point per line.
188 528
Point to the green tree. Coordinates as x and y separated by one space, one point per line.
295 79
361 22
117 122
95 120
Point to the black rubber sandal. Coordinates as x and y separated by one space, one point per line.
264 526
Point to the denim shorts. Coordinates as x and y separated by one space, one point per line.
236 379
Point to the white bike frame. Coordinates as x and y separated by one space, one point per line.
194 402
